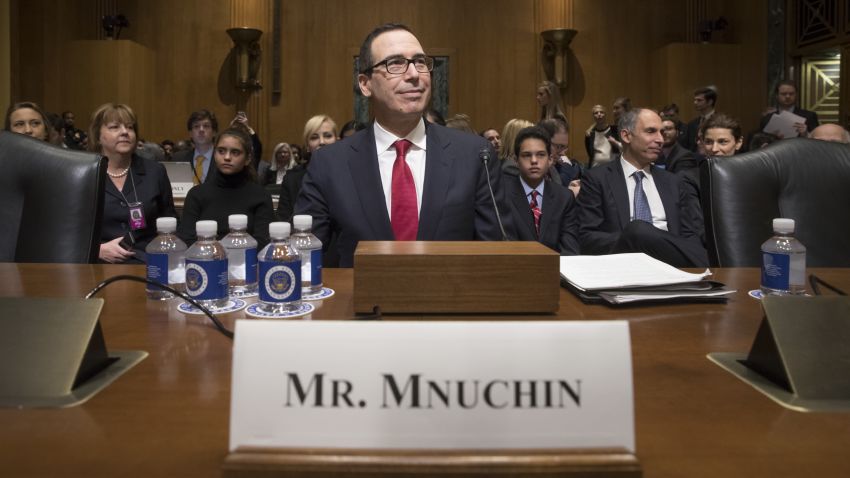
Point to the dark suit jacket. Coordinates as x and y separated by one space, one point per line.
188 156
604 208
342 191
689 141
679 160
154 192
812 121
558 223
289 189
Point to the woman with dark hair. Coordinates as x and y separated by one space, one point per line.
137 189
27 118
720 135
549 99
232 190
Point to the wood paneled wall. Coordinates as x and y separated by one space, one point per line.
494 47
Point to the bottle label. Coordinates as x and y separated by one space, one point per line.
206 280
775 270
157 270
280 281
315 267
251 265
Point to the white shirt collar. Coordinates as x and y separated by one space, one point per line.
384 139
528 188
629 169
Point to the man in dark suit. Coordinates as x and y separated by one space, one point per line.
202 126
401 178
705 100
786 100
628 205
673 157
541 210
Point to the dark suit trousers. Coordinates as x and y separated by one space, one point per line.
640 236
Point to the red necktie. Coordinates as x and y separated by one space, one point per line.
405 216
535 210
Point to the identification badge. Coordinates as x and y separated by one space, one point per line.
137 216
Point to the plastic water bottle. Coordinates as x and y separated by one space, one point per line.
310 248
241 256
783 269
206 267
280 272
166 256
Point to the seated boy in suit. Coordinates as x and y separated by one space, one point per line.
541 210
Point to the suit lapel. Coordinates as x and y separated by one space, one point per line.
366 177
438 177
553 203
667 192
617 183
520 203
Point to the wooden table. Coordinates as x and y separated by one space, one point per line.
168 416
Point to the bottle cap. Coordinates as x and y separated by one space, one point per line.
206 228
302 221
783 225
279 230
237 221
166 224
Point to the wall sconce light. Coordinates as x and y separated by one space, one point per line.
554 55
248 57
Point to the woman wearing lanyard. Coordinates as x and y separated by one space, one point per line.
137 188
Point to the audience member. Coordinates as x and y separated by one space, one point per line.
167 149
241 121
280 164
350 128
621 105
232 190
630 206
705 100
434 116
563 170
74 138
600 149
137 189
492 135
786 100
760 140
372 186
460 122
674 157
540 210
181 145
831 132
29 119
671 112
509 132
721 136
56 136
549 99
319 131
202 126
297 155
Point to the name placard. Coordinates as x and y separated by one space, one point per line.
432 385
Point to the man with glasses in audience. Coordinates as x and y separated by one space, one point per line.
401 178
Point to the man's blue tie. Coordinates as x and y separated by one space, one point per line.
642 211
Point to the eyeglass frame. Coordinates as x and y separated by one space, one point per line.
409 61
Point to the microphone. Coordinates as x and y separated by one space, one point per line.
484 156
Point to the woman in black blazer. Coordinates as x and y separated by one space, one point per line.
137 189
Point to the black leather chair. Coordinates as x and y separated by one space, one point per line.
802 179
51 202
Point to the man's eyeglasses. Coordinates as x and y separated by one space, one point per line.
399 65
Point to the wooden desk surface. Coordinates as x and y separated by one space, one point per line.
168 416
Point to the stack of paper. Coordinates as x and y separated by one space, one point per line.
626 278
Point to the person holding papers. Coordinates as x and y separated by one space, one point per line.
786 100
628 205
541 210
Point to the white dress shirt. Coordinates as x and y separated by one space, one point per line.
659 217
415 159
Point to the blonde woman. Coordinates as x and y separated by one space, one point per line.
282 161
319 131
